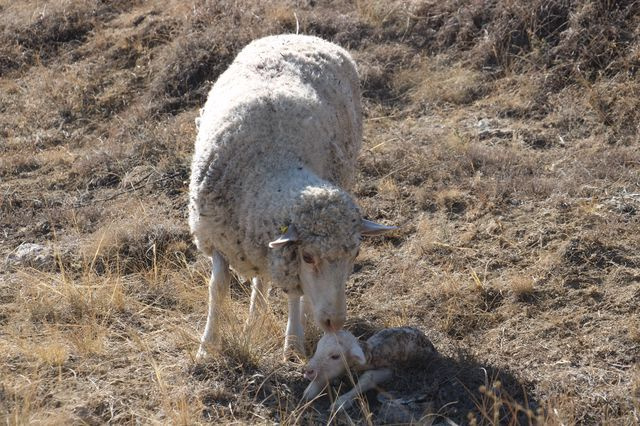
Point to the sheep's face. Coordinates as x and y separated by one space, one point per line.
325 266
321 265
334 354
326 229
323 280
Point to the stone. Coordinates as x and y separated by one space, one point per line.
31 255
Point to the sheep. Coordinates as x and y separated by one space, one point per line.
336 352
274 157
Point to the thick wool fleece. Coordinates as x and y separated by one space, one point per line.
278 140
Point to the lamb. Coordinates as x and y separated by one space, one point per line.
336 352
274 156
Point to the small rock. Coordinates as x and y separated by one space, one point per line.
483 125
33 255
486 129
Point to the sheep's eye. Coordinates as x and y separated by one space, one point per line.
307 258
335 356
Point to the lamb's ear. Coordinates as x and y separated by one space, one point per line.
290 235
370 228
356 354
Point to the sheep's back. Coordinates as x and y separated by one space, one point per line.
284 99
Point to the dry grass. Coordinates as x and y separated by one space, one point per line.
501 136
440 83
522 286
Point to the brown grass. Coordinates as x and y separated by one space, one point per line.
436 83
501 136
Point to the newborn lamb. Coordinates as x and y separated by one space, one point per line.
386 349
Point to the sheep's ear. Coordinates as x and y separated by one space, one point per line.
289 235
370 228
356 354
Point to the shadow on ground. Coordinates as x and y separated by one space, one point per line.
456 387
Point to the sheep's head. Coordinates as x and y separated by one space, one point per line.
326 229
334 354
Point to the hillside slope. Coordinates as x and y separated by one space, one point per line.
501 136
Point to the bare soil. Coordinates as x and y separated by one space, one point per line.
501 136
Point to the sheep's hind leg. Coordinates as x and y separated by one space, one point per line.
218 290
367 381
258 301
294 338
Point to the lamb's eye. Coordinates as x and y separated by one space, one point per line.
335 356
307 258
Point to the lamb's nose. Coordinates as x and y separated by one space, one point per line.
309 374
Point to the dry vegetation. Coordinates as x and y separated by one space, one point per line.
502 136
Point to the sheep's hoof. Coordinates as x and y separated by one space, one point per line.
202 354
294 350
294 354
205 351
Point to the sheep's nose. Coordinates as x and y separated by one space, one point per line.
333 323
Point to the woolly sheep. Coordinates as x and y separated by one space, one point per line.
277 143
337 352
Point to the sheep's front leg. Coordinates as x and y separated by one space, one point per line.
307 311
218 290
367 381
258 301
294 338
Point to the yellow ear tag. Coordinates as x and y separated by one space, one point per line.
284 229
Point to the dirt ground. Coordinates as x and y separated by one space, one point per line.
500 136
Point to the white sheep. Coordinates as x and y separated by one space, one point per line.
388 348
277 143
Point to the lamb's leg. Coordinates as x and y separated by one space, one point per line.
218 289
367 381
294 338
258 301
313 389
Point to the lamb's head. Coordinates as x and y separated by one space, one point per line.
323 239
334 354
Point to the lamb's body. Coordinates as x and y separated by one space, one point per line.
393 347
285 115
276 148
378 357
